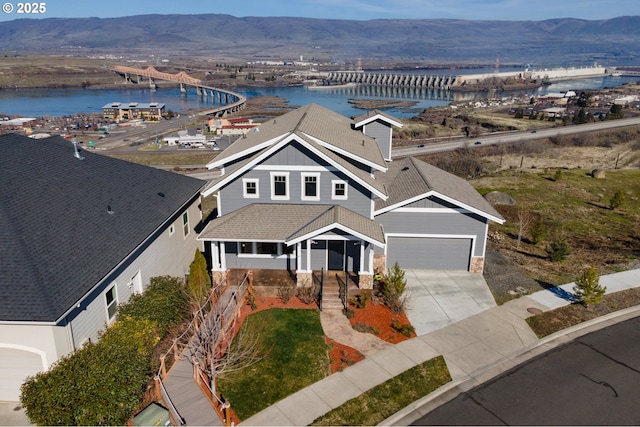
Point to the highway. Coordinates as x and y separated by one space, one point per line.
512 137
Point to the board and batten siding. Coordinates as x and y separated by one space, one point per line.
232 195
168 254
382 134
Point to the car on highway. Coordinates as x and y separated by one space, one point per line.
421 146
534 131
477 143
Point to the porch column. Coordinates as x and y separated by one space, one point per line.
215 256
308 255
219 268
298 256
304 276
365 275
223 257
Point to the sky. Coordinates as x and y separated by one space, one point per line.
504 10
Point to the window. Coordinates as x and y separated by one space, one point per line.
310 186
112 302
280 186
266 248
246 247
171 230
185 224
250 188
339 190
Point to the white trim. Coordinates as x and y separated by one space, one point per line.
486 236
246 181
223 256
188 228
294 168
349 154
258 159
172 229
42 354
333 189
218 203
308 250
252 149
314 234
451 200
113 286
299 256
273 187
136 283
303 177
376 117
432 210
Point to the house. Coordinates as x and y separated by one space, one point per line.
81 232
313 190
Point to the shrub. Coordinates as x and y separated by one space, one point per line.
308 294
367 329
348 313
402 328
558 251
588 289
361 300
616 200
393 289
286 292
199 284
103 383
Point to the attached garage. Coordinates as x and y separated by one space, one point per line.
429 253
15 366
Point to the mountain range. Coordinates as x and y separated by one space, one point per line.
554 42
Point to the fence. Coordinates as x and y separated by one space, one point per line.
343 289
319 282
210 331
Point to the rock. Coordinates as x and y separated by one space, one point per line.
598 174
499 198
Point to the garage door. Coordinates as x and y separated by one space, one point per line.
429 253
15 367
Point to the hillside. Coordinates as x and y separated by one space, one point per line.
551 42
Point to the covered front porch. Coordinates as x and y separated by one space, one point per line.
296 239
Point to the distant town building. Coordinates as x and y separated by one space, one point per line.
118 111
235 126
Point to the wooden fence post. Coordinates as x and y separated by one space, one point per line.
163 368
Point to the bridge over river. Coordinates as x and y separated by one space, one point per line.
232 101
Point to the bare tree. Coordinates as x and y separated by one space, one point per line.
524 221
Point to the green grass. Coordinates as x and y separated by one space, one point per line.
384 400
297 357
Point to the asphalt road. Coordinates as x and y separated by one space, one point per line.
509 137
594 380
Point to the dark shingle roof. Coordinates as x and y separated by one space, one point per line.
58 238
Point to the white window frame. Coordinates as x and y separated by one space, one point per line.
172 229
273 186
254 250
113 288
303 187
247 195
185 224
335 196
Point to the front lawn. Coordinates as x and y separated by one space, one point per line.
297 356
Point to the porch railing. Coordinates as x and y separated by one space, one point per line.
319 282
343 287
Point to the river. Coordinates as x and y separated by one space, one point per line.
62 102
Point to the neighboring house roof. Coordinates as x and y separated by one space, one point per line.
410 179
66 223
289 223
329 129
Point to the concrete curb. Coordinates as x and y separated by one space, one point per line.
452 389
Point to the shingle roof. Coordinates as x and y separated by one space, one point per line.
315 121
287 222
375 114
409 178
58 238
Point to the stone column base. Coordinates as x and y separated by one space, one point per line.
218 277
365 281
304 279
477 264
380 263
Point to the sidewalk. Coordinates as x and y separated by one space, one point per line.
475 349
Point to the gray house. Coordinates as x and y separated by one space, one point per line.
80 233
313 189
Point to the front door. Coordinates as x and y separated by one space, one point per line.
335 256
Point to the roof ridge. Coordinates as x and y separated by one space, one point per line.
420 172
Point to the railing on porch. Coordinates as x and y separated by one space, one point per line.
222 309
319 281
343 289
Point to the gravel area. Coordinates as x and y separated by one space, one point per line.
505 279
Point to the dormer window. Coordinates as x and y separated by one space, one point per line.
310 186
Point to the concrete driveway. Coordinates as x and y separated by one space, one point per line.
436 299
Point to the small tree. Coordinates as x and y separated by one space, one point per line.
199 280
393 289
588 289
558 250
538 231
616 200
